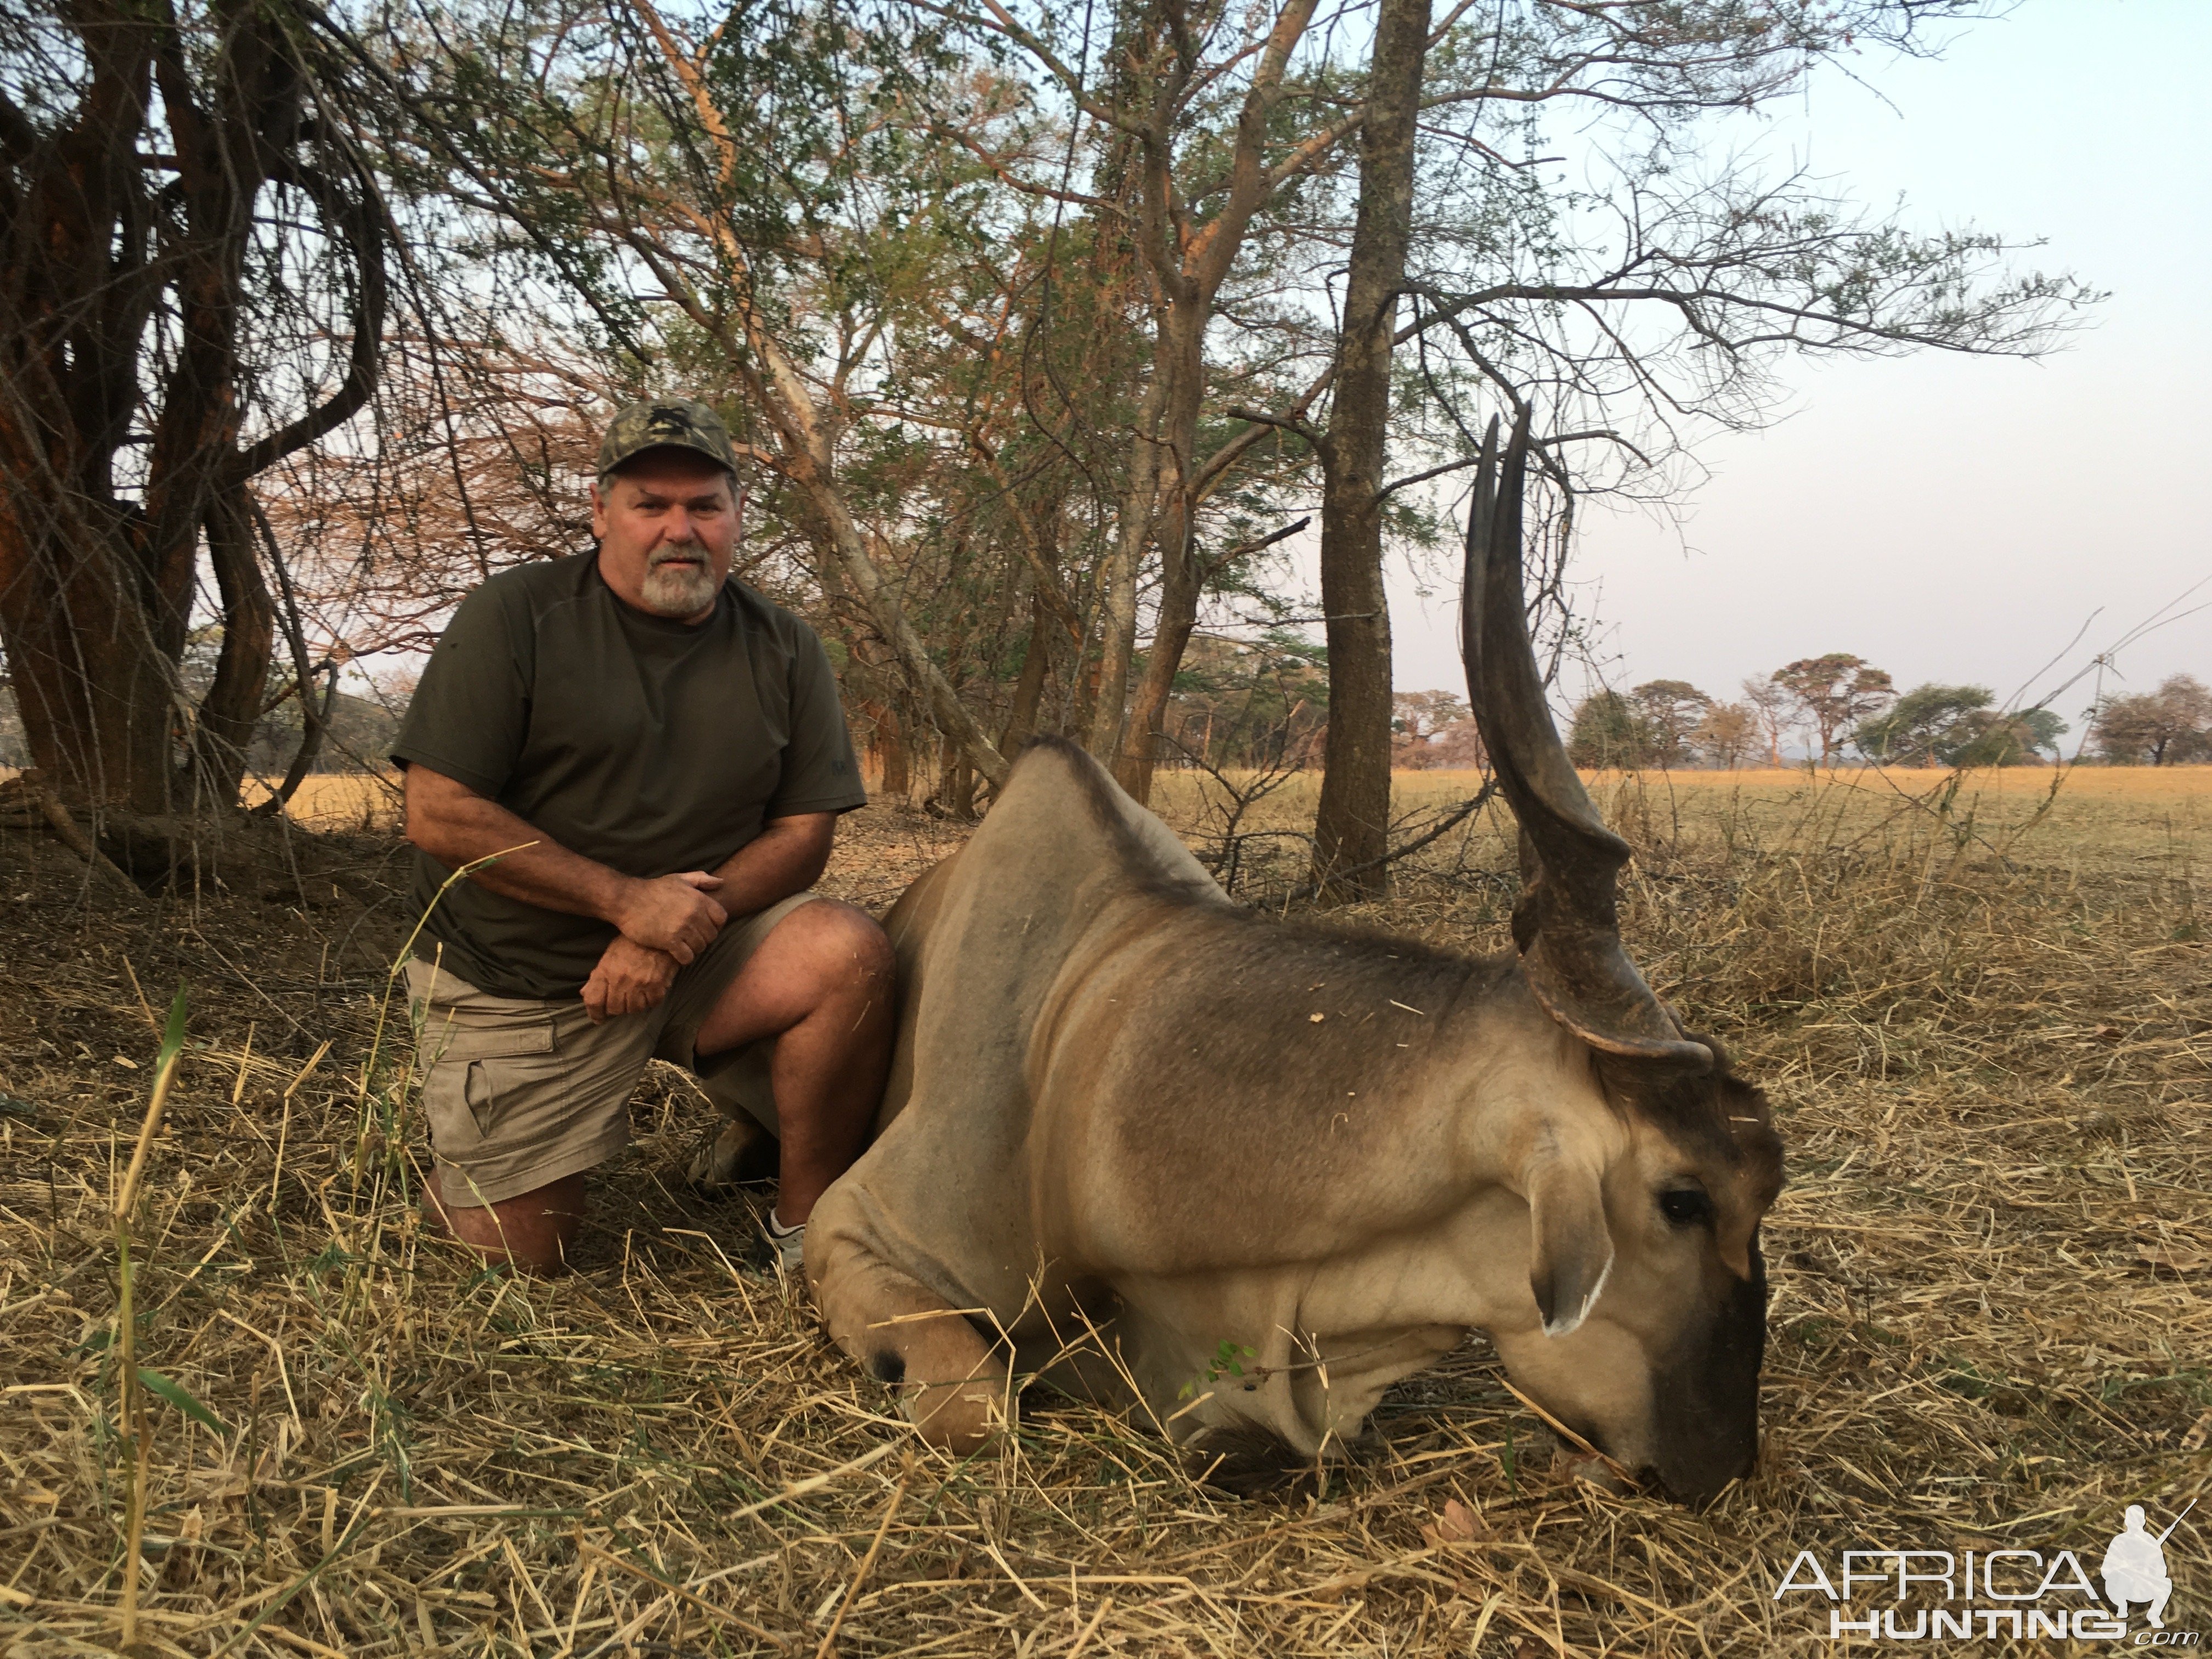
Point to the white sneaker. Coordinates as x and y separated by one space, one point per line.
790 1244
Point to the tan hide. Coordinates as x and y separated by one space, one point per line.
1258 1172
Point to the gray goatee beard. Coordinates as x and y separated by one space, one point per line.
678 590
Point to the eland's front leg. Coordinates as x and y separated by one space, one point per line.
955 1385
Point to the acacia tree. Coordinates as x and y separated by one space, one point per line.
706 205
1958 725
1417 720
1834 693
1923 728
785 211
1255 706
1201 127
192 287
1018 363
1607 732
2170 726
1995 737
1770 707
1728 732
1672 711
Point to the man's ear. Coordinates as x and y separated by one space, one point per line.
1571 1248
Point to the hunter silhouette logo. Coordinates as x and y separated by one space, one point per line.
2135 1566
1996 1593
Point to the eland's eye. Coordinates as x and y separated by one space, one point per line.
1685 1206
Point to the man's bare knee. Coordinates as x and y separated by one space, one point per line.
533 1230
840 949
848 936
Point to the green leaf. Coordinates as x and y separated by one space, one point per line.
181 1397
173 1039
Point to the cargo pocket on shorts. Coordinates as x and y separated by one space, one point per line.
483 1070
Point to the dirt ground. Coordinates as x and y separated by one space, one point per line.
1984 1014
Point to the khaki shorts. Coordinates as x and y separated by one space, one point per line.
520 1092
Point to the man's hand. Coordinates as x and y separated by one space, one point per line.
672 914
628 980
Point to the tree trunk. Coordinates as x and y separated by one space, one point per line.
91 687
1083 701
76 295
955 781
232 707
872 688
1179 591
95 593
891 740
898 761
1053 617
1351 831
1180 374
1117 628
1029 686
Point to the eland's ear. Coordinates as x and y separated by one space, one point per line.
1572 1250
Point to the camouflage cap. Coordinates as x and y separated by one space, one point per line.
665 423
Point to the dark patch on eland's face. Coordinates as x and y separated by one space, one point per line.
1705 1381
1705 1393
887 1365
1722 1126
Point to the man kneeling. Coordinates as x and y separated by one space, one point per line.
639 762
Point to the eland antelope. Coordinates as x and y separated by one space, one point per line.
1244 1176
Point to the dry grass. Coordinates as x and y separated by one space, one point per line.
1985 1029
343 800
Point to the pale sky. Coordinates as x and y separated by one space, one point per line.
1951 518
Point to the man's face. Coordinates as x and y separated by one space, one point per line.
667 526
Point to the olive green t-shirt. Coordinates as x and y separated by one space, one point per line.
650 745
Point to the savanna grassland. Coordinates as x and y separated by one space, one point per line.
1984 1010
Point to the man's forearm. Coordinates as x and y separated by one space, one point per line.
459 830
786 857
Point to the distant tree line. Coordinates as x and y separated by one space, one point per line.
1829 707
1263 705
